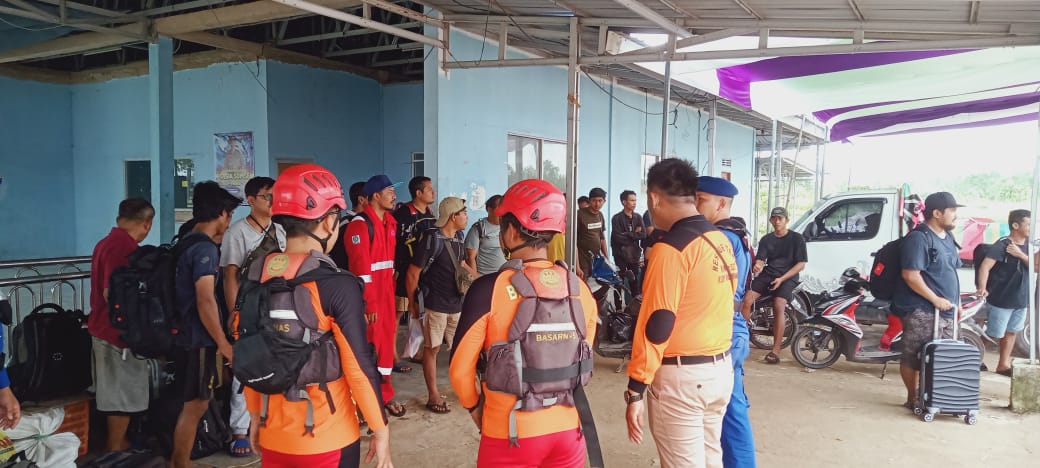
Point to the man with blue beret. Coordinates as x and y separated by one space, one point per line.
714 201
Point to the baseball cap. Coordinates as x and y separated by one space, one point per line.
448 207
778 211
940 201
716 186
377 183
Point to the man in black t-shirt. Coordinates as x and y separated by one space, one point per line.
780 256
413 219
1003 279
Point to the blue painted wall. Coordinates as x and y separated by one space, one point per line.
402 130
476 109
36 191
110 126
330 117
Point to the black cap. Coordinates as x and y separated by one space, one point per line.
940 201
778 211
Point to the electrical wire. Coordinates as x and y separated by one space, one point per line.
23 28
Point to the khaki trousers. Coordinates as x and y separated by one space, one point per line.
685 405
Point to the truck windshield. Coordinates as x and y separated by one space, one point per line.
804 218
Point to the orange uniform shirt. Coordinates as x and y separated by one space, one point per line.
687 298
487 312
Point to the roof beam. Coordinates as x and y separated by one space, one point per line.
337 35
405 12
973 15
695 40
217 18
364 22
256 50
747 9
85 8
761 53
134 33
384 48
678 9
31 8
655 17
855 10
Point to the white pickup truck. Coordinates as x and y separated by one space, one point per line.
844 230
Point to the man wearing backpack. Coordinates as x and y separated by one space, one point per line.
483 253
626 234
413 219
320 429
370 240
203 335
928 258
714 201
245 245
1003 280
681 346
437 261
526 433
120 378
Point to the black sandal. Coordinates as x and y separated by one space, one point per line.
395 409
772 358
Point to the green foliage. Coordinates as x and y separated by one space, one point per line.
991 186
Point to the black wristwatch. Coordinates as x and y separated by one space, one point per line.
632 397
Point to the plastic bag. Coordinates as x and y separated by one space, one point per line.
622 327
51 450
415 337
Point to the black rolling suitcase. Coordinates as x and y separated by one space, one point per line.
949 378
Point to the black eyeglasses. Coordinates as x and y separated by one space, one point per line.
267 196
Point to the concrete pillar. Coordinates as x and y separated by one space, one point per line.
1025 386
160 116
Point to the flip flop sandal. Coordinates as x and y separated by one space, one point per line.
240 448
439 408
401 368
395 409
772 358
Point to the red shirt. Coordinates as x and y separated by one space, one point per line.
372 259
110 253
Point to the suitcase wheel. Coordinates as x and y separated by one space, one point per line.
918 411
927 417
971 420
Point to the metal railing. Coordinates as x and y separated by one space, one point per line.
64 281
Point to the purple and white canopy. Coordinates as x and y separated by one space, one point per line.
883 93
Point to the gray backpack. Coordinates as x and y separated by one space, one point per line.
546 360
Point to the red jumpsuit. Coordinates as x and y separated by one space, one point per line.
372 260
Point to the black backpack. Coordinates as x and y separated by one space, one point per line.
211 436
279 348
978 255
886 273
50 354
141 298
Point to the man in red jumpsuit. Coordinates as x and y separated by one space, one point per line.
370 239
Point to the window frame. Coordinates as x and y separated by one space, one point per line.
816 223
539 156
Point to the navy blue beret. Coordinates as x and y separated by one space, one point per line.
716 186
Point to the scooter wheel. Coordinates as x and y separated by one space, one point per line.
927 417
971 420
918 411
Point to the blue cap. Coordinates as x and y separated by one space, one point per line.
377 183
716 186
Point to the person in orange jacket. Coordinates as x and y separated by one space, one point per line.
307 202
532 212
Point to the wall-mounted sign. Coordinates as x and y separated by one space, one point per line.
233 155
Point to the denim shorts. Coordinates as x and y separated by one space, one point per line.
1003 320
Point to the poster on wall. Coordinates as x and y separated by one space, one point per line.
233 154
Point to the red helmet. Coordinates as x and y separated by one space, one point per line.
306 191
537 204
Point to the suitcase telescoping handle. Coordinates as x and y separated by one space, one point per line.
956 321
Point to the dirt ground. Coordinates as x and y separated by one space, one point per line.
844 416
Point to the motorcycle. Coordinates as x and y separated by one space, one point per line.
616 317
762 318
833 330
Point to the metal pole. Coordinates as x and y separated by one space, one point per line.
667 96
818 188
572 144
770 202
1030 250
794 165
713 114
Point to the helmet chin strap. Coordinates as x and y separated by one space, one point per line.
509 251
323 241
